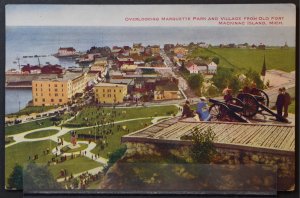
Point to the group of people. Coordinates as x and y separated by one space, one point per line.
202 110
282 103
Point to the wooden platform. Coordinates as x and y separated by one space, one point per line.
255 137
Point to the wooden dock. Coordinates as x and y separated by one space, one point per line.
274 138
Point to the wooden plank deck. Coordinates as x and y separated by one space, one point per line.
238 135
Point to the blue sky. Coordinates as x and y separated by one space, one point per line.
115 15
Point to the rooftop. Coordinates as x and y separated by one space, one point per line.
109 85
65 77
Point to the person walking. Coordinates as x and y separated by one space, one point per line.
279 102
287 102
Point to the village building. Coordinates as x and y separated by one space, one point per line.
169 47
128 68
180 50
192 67
155 49
128 61
66 51
45 69
58 91
110 93
212 68
168 91
99 66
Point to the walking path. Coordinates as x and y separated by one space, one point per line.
21 137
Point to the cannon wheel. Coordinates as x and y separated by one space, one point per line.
235 101
220 112
251 105
265 96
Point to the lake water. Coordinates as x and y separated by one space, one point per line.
30 41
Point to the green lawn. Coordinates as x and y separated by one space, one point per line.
76 165
42 133
114 140
20 152
276 58
31 109
23 127
66 149
94 115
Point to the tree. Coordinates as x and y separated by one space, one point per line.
216 60
223 77
195 81
235 84
255 77
15 179
38 177
212 91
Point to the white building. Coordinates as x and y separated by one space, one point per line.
212 68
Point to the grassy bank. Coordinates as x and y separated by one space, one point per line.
276 58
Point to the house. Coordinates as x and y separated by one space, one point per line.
66 51
52 69
168 91
128 61
137 48
128 68
212 68
192 67
155 49
203 68
180 50
99 66
110 93
28 69
169 47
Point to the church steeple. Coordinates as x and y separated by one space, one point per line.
264 68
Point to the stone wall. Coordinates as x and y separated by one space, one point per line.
283 163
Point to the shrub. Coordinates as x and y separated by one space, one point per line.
202 149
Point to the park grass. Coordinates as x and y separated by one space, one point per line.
66 149
93 114
244 59
19 153
74 166
41 134
114 139
31 109
23 127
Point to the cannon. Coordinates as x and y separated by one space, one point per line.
242 108
227 112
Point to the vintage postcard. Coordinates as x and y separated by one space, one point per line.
143 98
